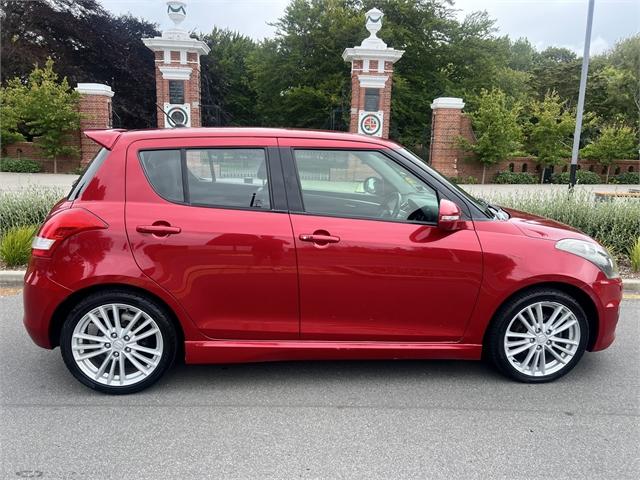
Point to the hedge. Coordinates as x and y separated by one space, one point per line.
19 165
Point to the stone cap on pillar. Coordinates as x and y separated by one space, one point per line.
372 47
176 38
94 89
447 102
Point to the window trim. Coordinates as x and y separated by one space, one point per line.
185 180
294 168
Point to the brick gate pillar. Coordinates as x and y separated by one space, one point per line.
95 113
447 125
371 80
177 61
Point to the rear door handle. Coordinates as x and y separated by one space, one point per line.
158 229
318 238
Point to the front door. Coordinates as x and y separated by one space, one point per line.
373 265
204 223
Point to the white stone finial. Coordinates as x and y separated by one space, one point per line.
177 10
374 21
374 24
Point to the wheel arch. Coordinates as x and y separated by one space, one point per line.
582 297
61 312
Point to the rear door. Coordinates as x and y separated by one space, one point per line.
207 220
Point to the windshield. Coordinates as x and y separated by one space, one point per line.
481 204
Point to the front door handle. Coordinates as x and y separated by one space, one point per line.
159 230
319 238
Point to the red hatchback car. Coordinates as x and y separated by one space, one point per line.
248 245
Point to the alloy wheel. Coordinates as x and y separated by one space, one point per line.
542 338
117 344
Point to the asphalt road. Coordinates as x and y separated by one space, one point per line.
321 419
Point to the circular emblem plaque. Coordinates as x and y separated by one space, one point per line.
370 124
178 116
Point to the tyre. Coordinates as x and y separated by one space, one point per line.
538 336
118 342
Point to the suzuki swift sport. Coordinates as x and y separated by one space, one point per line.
251 245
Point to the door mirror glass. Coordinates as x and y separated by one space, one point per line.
449 217
373 185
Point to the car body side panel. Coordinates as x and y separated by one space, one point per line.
511 266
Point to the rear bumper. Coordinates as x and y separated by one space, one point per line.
609 295
41 297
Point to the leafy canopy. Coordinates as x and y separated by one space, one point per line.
549 129
43 107
495 124
616 141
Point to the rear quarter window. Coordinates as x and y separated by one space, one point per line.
89 172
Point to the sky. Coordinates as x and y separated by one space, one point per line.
544 22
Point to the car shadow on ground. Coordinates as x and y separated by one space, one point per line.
328 372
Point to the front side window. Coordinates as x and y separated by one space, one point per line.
363 184
219 177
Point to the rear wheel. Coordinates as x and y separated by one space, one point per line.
118 342
538 336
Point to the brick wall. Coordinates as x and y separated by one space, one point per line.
32 151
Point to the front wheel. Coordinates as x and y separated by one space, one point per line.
117 342
538 336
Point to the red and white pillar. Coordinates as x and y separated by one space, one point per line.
177 60
371 80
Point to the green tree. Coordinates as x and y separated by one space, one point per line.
616 141
228 97
549 131
11 109
50 112
495 124
89 45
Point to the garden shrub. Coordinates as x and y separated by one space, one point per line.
19 165
583 177
628 178
15 246
514 177
26 207
470 180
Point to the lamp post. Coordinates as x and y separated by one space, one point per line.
583 87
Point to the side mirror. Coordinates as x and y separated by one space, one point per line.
449 215
373 185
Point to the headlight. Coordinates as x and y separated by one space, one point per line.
592 252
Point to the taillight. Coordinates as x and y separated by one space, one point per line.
62 225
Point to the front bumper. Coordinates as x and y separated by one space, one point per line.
609 296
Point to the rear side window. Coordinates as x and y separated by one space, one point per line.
217 177
164 173
89 172
229 177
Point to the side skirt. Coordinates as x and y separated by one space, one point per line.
245 351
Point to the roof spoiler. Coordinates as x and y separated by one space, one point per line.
105 138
